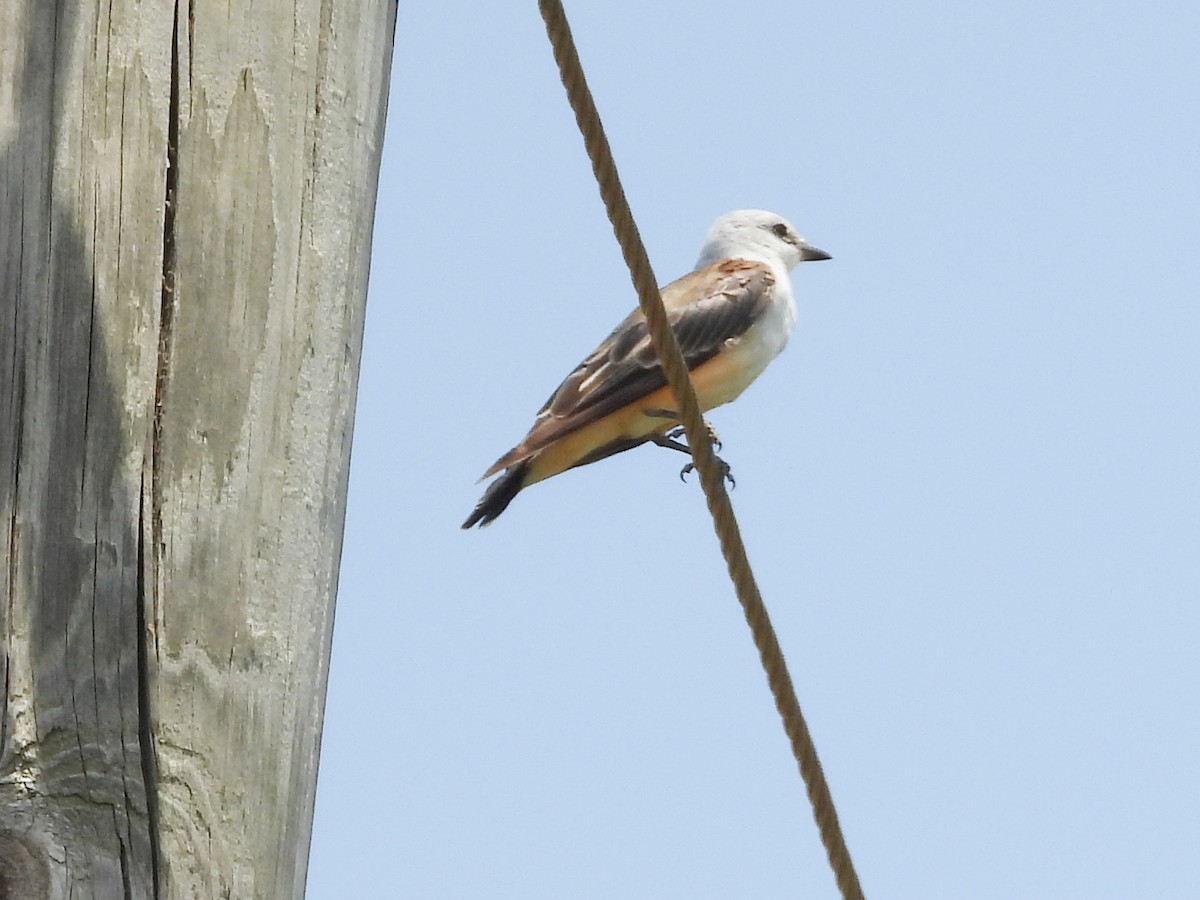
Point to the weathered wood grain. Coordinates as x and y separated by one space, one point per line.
186 199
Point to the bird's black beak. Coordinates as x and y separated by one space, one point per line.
812 254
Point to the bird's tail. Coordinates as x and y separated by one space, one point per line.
499 494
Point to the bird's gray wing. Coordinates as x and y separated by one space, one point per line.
706 309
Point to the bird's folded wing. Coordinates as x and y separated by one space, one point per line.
706 308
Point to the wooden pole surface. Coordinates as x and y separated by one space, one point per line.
186 198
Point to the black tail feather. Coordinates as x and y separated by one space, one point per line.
499 494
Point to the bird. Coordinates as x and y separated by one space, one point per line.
731 316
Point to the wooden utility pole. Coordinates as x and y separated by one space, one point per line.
186 196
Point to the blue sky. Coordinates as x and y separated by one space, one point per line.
970 487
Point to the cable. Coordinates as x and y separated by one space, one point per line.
700 443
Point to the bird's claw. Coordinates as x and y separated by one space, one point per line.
726 472
670 440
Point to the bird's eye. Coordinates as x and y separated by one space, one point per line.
780 230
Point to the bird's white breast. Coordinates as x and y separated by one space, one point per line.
748 355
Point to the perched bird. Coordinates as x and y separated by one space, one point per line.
731 316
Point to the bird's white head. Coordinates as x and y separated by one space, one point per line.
759 235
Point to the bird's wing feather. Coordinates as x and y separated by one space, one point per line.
706 308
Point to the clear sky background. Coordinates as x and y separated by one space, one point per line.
970 487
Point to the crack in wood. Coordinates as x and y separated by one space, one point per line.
148 586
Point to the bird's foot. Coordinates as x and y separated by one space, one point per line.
680 432
726 472
670 440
